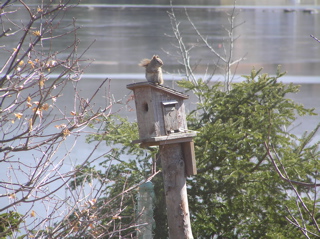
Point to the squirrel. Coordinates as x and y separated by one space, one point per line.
153 69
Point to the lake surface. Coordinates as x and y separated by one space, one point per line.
124 34
267 37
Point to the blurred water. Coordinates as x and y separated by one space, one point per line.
268 37
123 35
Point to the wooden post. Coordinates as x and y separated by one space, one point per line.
173 166
162 121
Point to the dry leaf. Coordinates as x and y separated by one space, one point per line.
30 125
36 33
60 126
66 132
75 228
18 115
51 63
37 111
33 213
92 202
41 83
12 196
45 106
31 63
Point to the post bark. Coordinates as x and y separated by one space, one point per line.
173 166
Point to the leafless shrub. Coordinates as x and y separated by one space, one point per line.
225 61
39 133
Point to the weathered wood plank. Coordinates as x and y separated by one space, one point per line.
164 88
189 158
172 138
173 169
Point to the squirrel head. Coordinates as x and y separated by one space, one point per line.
157 59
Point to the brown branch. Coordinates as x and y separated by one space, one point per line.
311 185
5 32
292 183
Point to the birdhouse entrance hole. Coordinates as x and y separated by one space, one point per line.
146 107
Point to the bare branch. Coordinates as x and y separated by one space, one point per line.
39 133
286 178
318 40
311 185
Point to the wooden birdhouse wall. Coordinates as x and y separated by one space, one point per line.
148 126
159 112
170 111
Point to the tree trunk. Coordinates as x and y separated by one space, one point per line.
174 177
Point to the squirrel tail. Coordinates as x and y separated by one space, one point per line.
144 62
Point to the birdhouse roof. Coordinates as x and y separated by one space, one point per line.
158 87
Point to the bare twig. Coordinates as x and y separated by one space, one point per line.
318 40
284 177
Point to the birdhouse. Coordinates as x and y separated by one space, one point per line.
162 119
160 110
